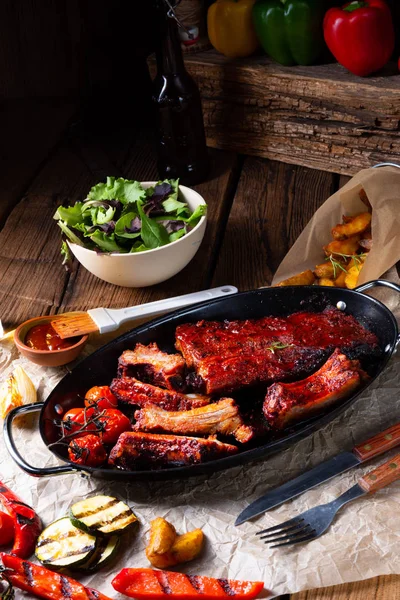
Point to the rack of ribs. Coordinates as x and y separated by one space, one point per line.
230 355
150 364
149 450
220 417
129 390
287 403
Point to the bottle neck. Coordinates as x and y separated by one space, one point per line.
169 53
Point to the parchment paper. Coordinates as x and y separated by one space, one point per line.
363 542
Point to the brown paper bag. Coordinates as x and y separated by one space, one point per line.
382 187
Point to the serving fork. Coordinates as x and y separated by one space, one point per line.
312 523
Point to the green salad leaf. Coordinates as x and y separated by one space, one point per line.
153 234
106 242
71 215
118 189
119 215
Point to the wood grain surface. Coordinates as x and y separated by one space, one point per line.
29 131
322 116
378 588
272 205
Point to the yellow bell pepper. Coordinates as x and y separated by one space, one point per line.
230 27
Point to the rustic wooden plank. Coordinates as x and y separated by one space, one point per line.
32 279
29 131
378 588
320 116
272 205
41 47
86 291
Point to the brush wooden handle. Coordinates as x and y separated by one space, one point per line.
382 476
378 444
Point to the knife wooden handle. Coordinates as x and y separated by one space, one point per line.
382 476
384 441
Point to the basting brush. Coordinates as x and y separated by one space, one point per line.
104 320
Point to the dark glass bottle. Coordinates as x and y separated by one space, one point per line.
182 150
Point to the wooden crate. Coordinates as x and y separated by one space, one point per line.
321 116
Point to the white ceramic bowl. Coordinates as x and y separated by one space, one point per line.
146 268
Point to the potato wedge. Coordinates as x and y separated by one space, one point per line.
346 247
167 549
187 546
326 270
358 224
162 561
340 280
327 282
351 278
304 278
162 537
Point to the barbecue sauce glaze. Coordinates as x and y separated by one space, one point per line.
44 337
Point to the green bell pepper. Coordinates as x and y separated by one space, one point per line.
290 31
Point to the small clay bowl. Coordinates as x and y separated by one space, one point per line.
46 358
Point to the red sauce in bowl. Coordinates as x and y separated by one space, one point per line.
44 337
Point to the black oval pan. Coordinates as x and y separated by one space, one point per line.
101 366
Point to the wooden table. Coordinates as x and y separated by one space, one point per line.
257 209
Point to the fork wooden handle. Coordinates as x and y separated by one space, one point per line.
381 476
378 444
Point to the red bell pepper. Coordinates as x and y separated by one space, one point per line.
27 525
44 583
360 35
147 584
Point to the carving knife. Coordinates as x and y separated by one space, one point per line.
380 443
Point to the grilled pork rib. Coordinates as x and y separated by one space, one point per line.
148 450
129 390
149 363
286 403
220 417
232 354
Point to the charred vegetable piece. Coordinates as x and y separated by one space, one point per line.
103 515
43 583
87 450
146 584
6 529
27 525
106 551
167 549
62 545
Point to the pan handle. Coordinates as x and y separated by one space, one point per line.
378 283
12 449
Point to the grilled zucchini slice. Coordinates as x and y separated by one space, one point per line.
104 554
102 515
61 545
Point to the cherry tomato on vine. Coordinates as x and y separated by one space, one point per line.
75 419
6 529
113 422
101 397
87 450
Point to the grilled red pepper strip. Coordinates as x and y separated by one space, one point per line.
27 525
147 584
44 583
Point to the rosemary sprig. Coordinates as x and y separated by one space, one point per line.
336 264
278 346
